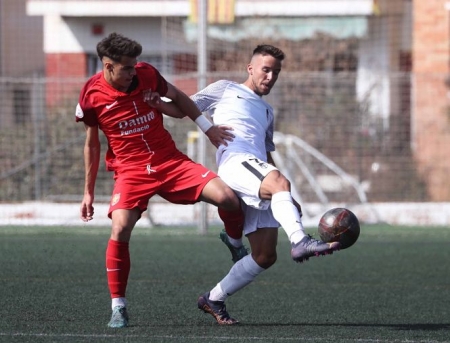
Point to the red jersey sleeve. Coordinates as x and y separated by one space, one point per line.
151 78
85 110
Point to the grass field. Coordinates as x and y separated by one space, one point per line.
393 285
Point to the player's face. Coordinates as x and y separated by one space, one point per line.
263 73
120 74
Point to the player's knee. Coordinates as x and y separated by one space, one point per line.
265 260
277 182
284 183
228 200
120 232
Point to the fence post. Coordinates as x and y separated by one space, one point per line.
38 117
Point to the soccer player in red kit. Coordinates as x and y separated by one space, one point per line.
123 101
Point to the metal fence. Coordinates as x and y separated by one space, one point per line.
41 155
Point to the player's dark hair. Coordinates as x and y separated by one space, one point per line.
116 46
266 49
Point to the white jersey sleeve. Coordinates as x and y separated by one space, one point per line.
208 98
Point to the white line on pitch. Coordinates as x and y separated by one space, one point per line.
231 338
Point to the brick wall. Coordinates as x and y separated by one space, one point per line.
431 101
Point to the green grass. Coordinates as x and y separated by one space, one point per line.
393 285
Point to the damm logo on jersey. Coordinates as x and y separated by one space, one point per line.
136 125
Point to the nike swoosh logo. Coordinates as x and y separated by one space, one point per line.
111 270
206 174
333 245
109 106
240 97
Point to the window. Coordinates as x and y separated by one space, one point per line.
21 105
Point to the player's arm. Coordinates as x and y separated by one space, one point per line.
91 165
154 100
171 110
218 135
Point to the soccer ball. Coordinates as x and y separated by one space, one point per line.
339 225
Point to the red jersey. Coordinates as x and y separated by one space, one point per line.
134 130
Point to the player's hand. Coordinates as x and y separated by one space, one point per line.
153 99
220 134
86 209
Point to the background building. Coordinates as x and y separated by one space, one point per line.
364 83
21 56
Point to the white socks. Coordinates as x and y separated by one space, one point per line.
118 302
237 243
240 275
246 270
287 215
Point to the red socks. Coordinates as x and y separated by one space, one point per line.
117 267
233 222
118 254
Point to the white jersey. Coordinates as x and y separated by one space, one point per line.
233 104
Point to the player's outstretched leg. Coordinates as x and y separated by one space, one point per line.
309 247
119 317
215 308
236 253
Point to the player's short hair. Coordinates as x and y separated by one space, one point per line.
116 46
266 49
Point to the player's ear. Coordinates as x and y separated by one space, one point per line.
109 66
250 69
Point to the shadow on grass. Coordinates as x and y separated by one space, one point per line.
401 327
405 327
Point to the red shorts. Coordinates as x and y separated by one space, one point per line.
180 181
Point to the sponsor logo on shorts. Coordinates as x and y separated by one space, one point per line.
261 164
115 199
206 174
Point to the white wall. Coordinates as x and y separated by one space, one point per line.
43 213
373 82
73 35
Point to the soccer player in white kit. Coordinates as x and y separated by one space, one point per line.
245 164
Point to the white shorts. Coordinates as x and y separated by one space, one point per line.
244 174
257 219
